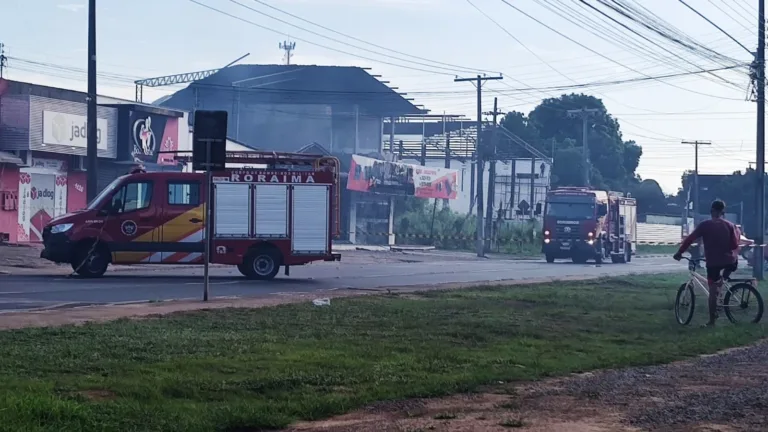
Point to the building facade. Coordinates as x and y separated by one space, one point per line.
43 146
294 108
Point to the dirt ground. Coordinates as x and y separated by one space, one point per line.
680 397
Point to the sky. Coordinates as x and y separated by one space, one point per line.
420 46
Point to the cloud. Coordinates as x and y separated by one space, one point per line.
72 7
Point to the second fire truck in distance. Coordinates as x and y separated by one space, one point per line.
583 224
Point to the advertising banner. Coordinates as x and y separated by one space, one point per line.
396 178
151 134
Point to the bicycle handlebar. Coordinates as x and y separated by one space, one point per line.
693 260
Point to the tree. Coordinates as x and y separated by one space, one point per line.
548 126
650 198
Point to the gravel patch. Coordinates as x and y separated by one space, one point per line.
727 388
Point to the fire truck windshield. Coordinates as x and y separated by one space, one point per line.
571 210
106 192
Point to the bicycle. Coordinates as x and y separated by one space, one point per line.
738 290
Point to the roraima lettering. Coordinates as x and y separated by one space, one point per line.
248 177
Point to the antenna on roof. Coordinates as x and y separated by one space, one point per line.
288 47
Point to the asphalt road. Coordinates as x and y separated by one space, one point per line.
24 292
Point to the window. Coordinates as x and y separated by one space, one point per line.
184 193
132 196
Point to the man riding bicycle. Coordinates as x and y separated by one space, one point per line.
721 243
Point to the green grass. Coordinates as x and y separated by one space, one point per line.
247 370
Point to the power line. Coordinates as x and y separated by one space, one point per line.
716 26
657 44
603 55
728 4
315 43
457 67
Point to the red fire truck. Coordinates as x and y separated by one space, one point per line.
585 224
282 212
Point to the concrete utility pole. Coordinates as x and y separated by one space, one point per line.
492 177
696 145
759 70
92 134
585 114
288 47
478 81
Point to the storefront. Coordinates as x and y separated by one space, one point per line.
148 134
47 189
43 143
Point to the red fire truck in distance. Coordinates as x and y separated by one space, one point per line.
283 213
585 224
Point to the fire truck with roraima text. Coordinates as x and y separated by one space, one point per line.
276 210
584 224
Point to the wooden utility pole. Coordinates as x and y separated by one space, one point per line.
91 183
584 113
492 178
478 82
696 145
759 77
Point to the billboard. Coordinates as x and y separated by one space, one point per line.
153 133
396 178
71 130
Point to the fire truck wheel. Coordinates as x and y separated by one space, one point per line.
91 262
550 259
261 263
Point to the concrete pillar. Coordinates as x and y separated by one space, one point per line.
352 217
391 231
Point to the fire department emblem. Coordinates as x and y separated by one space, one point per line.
567 229
129 228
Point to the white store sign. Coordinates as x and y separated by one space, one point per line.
71 130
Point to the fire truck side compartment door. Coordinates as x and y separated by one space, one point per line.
310 219
231 218
270 211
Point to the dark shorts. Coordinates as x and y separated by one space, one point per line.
715 273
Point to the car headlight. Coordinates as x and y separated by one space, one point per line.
60 228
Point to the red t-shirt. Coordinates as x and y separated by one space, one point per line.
720 241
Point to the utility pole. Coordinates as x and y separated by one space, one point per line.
478 82
759 75
3 60
92 134
492 178
696 145
585 113
288 47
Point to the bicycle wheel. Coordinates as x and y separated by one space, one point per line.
738 299
685 303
